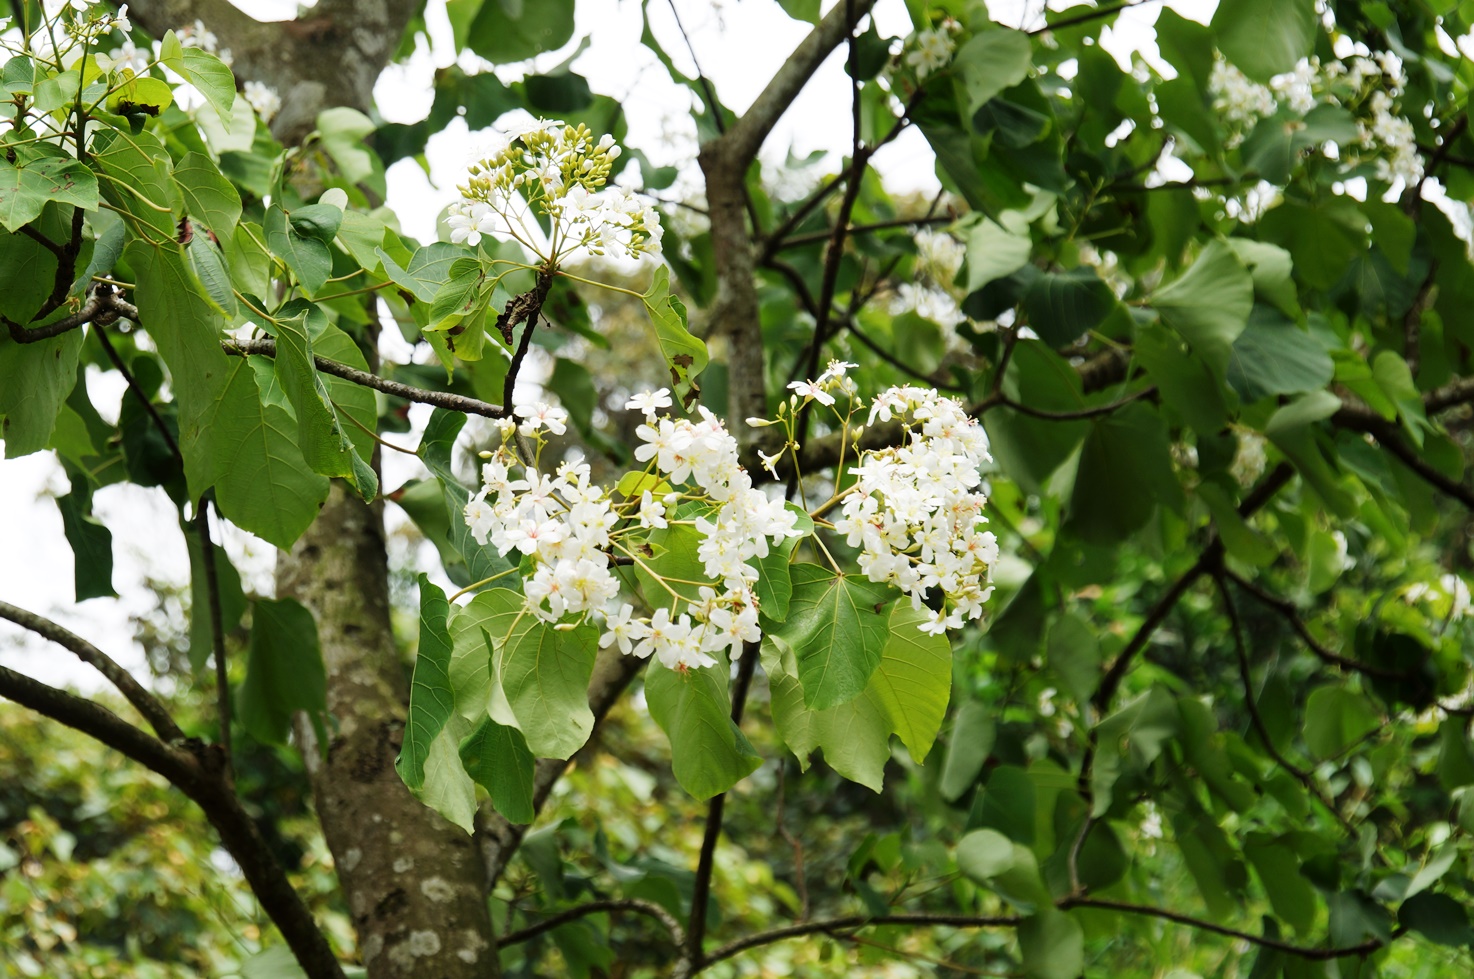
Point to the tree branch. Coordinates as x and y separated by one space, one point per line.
197 774
631 905
147 705
217 629
1300 951
847 922
440 399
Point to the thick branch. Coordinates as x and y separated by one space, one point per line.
142 700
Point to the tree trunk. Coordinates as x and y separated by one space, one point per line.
415 884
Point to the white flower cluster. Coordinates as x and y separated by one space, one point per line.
928 302
1449 595
931 50
938 256
570 528
916 510
263 98
1249 458
1238 99
561 172
77 22
1391 137
1369 85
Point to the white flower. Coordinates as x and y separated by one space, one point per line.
649 402
811 389
1241 101
540 415
263 99
652 512
932 52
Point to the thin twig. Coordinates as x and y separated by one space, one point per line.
217 626
149 706
266 347
632 905
830 925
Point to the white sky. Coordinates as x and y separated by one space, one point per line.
740 44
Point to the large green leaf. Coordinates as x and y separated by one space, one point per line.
684 354
26 188
1125 472
306 255
284 670
497 757
1062 306
1266 37
209 198
837 630
544 673
993 60
35 379
1335 719
91 543
1209 304
993 860
913 680
1273 356
321 431
210 75
447 787
136 171
515 30
431 702
993 252
246 443
1053 945
709 753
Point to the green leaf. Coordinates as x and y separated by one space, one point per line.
993 253
136 171
684 354
544 673
25 189
1273 356
805 10
1063 306
1053 945
342 131
1335 719
497 758
208 265
1265 37
1074 655
1125 471
307 257
321 437
208 197
1209 304
913 680
447 787
284 670
427 270
515 30
993 60
1438 918
91 542
431 702
140 95
1272 270
968 747
1323 241
1290 894
837 631
709 753
993 860
35 379
27 270
209 74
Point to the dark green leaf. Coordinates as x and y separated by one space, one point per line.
284 671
